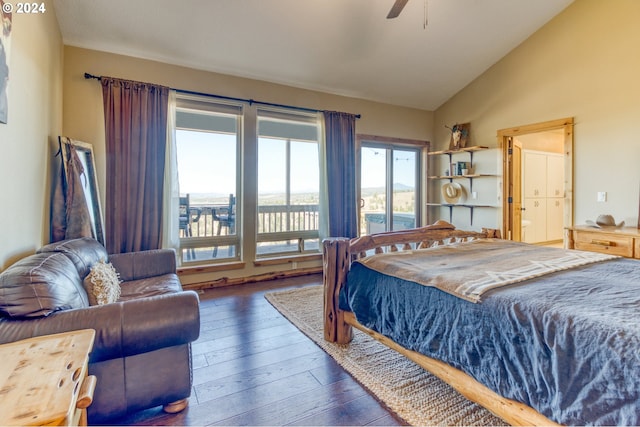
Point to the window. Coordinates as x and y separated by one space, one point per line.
389 186
207 151
288 183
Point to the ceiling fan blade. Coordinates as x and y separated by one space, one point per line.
396 9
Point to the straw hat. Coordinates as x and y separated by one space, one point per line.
452 192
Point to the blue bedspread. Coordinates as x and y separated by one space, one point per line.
566 344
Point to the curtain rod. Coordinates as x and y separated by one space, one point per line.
230 98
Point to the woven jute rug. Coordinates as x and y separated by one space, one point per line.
412 393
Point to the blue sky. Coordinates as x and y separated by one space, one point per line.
207 164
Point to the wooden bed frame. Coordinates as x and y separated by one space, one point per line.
339 253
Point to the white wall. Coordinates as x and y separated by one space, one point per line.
582 64
27 140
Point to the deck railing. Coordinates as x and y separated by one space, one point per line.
270 219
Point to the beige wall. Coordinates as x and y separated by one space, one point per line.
83 118
581 64
27 140
83 113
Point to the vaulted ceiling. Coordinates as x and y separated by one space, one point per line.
346 47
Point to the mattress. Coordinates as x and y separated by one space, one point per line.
567 343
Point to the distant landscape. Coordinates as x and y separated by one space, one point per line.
374 199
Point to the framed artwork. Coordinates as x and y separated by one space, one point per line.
5 42
88 180
459 136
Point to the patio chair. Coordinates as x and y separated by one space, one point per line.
187 216
226 217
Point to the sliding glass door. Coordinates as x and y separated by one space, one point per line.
389 187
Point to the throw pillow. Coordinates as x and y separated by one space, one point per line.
102 284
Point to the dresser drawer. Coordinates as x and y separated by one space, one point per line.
605 243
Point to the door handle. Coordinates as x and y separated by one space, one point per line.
362 203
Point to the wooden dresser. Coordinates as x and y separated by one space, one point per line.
623 241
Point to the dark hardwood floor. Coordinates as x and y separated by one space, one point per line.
253 367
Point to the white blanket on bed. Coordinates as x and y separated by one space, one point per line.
469 269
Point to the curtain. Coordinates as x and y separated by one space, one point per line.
340 171
135 117
170 232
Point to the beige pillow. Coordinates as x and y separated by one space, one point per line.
102 284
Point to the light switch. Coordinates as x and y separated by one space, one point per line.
602 196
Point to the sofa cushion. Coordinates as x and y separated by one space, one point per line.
39 285
83 252
102 284
150 286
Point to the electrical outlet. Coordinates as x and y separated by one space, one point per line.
474 194
602 196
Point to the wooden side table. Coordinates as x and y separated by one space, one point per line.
44 380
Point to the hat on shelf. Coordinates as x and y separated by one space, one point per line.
452 192
604 221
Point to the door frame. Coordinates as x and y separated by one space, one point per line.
503 136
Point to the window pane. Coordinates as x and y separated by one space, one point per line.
373 189
305 178
208 253
288 182
206 165
277 247
272 171
206 151
404 189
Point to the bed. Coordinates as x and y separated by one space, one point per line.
555 345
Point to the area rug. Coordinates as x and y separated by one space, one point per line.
415 395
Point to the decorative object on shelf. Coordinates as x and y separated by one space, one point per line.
604 221
463 168
452 192
459 136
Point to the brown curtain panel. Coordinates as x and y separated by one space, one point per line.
340 138
135 116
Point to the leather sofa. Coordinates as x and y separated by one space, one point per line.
142 351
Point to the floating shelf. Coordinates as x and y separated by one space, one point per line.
451 206
460 150
470 177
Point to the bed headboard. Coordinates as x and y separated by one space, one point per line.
440 233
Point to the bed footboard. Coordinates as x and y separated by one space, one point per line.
336 261
339 252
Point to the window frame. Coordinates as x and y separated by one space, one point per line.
295 117
421 147
202 105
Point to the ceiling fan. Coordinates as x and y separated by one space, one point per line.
396 9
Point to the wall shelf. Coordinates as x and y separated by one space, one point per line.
460 150
462 205
470 177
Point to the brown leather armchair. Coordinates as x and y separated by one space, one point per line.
142 351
